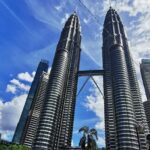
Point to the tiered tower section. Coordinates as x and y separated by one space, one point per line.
32 122
56 121
43 66
124 113
145 72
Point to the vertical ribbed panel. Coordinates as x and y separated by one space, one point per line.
147 111
121 89
108 103
125 119
52 103
110 120
43 66
33 118
136 98
145 72
70 91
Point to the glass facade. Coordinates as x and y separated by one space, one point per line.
145 72
43 66
147 111
32 122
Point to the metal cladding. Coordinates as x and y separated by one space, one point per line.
147 111
124 113
32 122
145 72
66 127
56 120
43 66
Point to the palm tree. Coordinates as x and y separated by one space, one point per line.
88 140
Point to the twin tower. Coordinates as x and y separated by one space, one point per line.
47 119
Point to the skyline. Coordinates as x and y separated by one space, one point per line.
49 22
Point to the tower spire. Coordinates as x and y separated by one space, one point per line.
75 10
110 3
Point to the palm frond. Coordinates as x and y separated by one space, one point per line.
84 129
82 142
91 143
93 132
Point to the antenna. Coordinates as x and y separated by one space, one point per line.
75 10
116 4
110 3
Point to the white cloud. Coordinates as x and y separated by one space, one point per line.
132 7
26 76
10 112
95 103
141 6
33 73
101 141
91 49
11 88
139 37
58 8
64 19
7 134
72 143
49 70
86 21
20 85
16 85
45 13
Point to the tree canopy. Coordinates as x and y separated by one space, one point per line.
88 140
13 147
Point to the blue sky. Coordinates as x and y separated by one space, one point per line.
29 32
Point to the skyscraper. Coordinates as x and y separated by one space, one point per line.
145 72
32 122
124 113
147 111
56 120
43 66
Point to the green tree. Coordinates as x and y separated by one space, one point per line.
3 147
88 140
13 147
